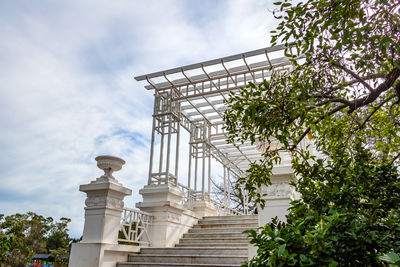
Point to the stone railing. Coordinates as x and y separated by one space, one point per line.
166 213
135 227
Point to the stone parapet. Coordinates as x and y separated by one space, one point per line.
171 218
104 204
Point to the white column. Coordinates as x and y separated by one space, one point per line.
104 204
278 198
279 195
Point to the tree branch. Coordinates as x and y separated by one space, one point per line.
338 108
300 138
395 158
375 110
358 78
393 116
390 80
351 82
353 105
397 89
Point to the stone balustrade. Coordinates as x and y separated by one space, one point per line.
112 231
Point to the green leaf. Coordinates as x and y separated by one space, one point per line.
281 250
390 257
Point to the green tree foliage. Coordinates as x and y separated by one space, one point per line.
24 235
58 241
348 216
344 84
343 94
3 243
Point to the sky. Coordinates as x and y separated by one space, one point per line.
68 94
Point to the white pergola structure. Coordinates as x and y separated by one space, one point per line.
192 98
187 98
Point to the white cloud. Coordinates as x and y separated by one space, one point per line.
67 92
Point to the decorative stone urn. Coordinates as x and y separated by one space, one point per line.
103 209
108 164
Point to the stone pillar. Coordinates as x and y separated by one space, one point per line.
104 205
279 195
171 218
277 201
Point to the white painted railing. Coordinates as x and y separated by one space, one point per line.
225 210
189 197
135 226
245 195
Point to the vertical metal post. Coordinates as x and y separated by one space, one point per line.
195 167
178 127
168 143
246 201
209 173
203 170
229 187
177 153
224 185
209 159
190 165
152 140
161 151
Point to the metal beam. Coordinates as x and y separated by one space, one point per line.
257 52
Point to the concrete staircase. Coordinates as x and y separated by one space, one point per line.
215 241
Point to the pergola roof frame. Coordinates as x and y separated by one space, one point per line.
200 99
211 62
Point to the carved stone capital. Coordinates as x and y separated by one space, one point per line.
280 190
104 202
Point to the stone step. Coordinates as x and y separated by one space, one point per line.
228 221
150 264
213 244
226 225
215 241
196 251
220 230
211 240
156 258
215 235
231 217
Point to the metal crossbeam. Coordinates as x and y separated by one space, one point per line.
212 62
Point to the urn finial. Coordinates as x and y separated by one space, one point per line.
108 164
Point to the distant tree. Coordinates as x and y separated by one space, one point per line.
58 241
24 235
238 196
4 244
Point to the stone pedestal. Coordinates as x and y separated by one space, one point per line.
100 254
279 196
204 208
171 218
104 205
